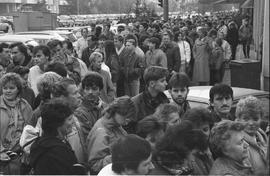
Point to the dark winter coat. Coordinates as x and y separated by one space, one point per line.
51 156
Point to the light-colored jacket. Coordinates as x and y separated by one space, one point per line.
156 58
9 139
99 140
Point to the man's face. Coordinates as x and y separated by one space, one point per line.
57 51
151 46
130 45
117 43
252 122
17 56
141 28
97 63
84 33
66 50
73 94
222 104
101 43
160 85
41 59
236 147
166 39
145 166
179 94
6 52
91 90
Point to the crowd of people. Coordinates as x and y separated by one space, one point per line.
116 104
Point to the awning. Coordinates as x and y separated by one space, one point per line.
248 4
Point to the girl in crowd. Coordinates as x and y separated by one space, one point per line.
107 130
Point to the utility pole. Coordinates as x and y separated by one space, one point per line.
78 7
166 10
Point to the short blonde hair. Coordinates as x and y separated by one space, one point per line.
249 105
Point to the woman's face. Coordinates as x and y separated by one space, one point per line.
121 120
173 119
66 128
236 147
10 91
252 122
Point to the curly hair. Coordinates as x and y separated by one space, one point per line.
164 110
13 78
45 84
250 106
178 142
220 133
123 106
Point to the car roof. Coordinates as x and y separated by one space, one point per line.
18 38
14 38
201 93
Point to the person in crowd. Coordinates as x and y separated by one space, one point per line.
131 66
69 51
19 55
233 38
27 93
184 50
178 90
2 69
171 49
227 52
222 28
174 150
58 55
108 91
92 46
82 42
167 115
131 155
116 74
51 154
67 89
15 113
106 31
200 119
151 129
110 53
147 101
221 99
5 58
42 55
250 111
155 56
58 68
106 131
201 52
245 36
44 85
216 62
90 110
228 144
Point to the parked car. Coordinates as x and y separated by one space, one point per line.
18 38
199 96
52 34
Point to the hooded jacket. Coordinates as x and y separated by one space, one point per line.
50 156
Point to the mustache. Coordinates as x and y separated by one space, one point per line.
225 106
